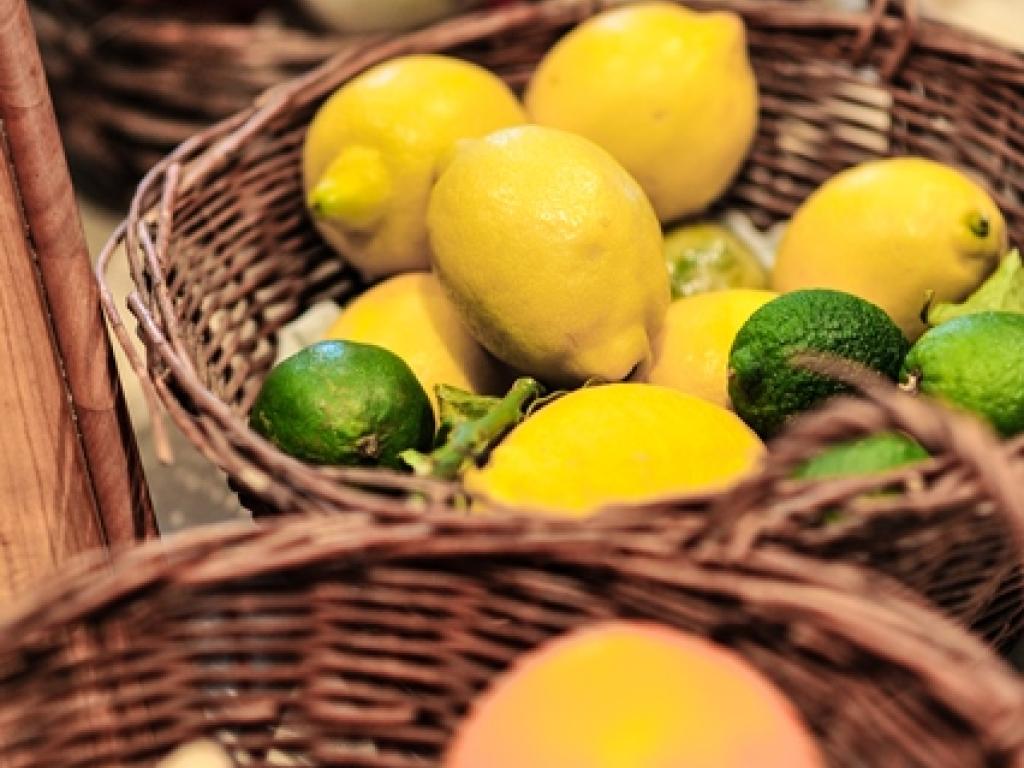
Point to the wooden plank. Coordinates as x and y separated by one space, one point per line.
70 293
47 510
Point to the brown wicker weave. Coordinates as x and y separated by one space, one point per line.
362 646
224 255
131 81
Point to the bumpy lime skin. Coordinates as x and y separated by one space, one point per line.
766 384
974 362
343 403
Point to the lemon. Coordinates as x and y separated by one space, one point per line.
410 316
551 253
894 232
692 352
613 444
669 92
372 152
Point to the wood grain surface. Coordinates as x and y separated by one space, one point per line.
57 250
47 512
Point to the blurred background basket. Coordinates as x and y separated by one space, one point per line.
132 79
313 641
224 256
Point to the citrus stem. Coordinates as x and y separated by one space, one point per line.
911 384
472 439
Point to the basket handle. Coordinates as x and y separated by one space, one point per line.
956 437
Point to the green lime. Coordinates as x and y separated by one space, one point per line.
339 402
866 456
975 362
708 257
766 383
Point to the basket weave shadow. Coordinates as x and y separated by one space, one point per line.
223 255
360 646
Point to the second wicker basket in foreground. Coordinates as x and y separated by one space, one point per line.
313 641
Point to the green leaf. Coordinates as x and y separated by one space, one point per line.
457 406
1003 291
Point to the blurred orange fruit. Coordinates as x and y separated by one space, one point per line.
629 695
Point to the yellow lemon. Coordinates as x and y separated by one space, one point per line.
669 92
613 444
410 316
894 232
551 253
373 149
692 352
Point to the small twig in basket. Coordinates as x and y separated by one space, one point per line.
473 438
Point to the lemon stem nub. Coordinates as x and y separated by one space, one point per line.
979 224
354 191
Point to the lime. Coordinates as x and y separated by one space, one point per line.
766 383
339 402
975 362
875 453
708 257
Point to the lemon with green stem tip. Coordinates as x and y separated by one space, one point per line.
374 148
900 233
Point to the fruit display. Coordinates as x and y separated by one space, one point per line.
562 349
538 325
632 695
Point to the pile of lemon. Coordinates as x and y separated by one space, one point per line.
506 239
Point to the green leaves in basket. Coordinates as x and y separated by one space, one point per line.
471 425
1004 291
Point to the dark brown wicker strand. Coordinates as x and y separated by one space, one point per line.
223 255
360 646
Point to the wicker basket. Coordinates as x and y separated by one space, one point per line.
131 81
224 255
357 646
